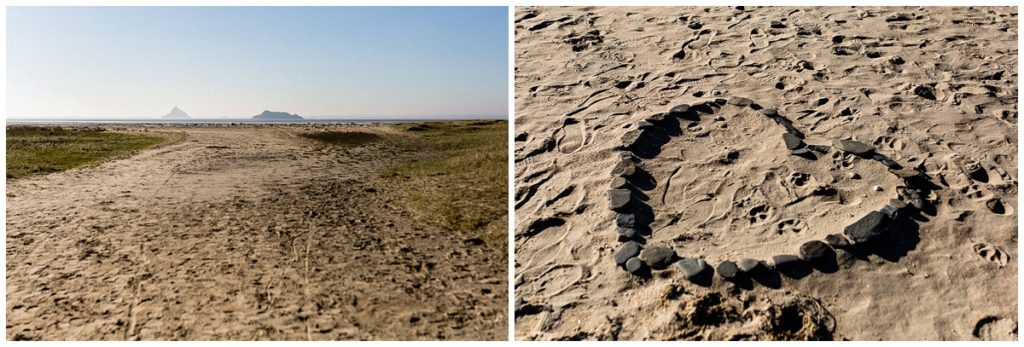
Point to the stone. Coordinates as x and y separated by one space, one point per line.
618 199
837 241
777 24
719 119
889 211
784 260
626 234
658 257
911 196
866 228
891 164
624 168
814 250
877 188
855 147
618 182
656 118
898 204
800 151
625 220
679 111
691 267
632 137
896 60
748 265
905 172
626 251
770 112
739 101
644 124
925 91
720 101
854 176
633 265
792 142
818 148
727 269
626 155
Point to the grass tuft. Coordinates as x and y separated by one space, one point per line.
45 149
461 184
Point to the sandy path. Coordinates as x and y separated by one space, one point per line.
239 233
586 76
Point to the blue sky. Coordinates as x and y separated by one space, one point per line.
130 62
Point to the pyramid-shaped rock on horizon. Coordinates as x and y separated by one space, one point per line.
176 113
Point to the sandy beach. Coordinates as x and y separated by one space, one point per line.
241 233
799 124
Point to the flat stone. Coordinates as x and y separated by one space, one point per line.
679 111
626 234
925 91
791 141
770 112
633 265
748 265
800 151
889 211
898 204
625 220
866 228
618 199
630 138
837 241
818 148
618 182
656 118
658 257
784 259
691 268
626 250
814 250
855 147
727 269
905 172
739 101
624 168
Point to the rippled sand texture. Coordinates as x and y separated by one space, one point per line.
933 88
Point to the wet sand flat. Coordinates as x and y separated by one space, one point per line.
241 233
932 90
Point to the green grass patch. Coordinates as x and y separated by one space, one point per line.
461 182
38 150
344 138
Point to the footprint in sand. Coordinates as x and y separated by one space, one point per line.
571 136
993 328
992 253
790 226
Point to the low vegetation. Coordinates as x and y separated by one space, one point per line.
35 150
461 182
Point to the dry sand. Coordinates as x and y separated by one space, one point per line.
728 188
240 233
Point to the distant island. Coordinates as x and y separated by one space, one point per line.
276 115
176 113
